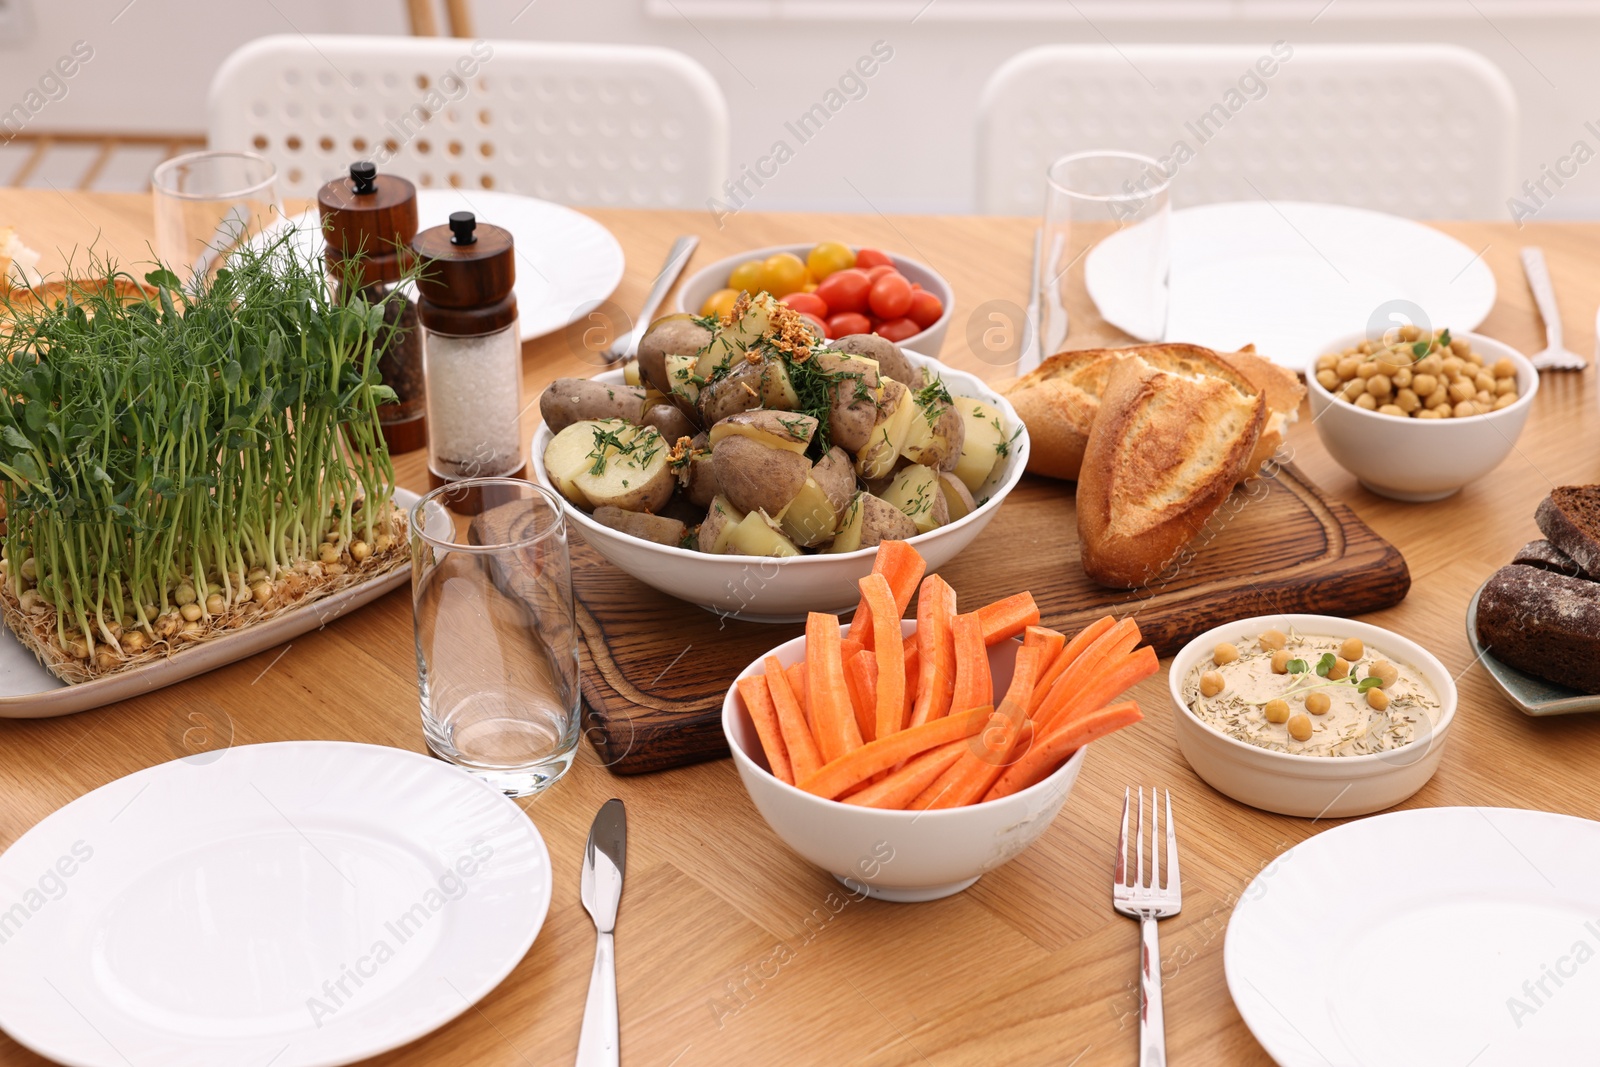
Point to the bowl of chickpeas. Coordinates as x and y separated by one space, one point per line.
1311 715
1416 415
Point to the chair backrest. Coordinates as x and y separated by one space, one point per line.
1424 131
594 125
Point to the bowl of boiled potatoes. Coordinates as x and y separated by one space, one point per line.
1416 414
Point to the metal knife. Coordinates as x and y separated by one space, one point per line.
603 863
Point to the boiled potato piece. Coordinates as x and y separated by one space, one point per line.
628 468
670 335
567 456
721 519
958 501
731 342
877 458
983 440
758 535
892 363
836 475
882 521
570 400
916 492
848 539
813 515
685 387
657 528
671 422
855 392
756 476
774 429
765 384
630 373
934 438
699 478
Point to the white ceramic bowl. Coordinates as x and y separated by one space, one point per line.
768 589
1310 786
699 286
895 855
1421 459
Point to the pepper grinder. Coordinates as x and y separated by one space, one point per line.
370 219
471 353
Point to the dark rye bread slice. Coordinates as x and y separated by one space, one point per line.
1547 557
1570 518
1543 623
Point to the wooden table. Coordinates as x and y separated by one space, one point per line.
1030 966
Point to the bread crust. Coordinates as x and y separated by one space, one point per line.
1164 452
1556 520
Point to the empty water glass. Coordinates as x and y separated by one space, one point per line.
207 204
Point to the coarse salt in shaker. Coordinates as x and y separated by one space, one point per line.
471 352
368 222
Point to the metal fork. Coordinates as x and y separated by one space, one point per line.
1554 356
1149 903
677 259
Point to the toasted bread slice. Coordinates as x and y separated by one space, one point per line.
1165 451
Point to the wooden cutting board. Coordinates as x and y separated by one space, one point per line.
655 670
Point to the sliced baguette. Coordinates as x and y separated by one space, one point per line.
1163 454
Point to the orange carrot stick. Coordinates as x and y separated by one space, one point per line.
973 687
901 786
889 658
936 655
1007 618
832 714
1066 657
1047 756
861 672
1082 686
804 759
1047 641
988 754
861 763
764 714
902 566
1121 635
795 675
912 677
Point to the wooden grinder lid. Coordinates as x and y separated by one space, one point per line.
368 214
468 275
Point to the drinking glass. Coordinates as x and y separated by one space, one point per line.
207 204
1110 209
496 638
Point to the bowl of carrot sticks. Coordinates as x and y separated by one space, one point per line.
909 756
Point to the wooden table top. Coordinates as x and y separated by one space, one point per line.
1030 966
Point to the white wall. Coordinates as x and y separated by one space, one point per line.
906 146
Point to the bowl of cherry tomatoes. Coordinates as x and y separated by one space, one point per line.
845 290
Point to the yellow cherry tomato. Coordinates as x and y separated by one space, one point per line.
809 287
828 257
782 274
719 303
746 276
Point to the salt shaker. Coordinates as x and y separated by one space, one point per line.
471 353
370 218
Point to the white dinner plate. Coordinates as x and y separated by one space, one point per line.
1430 936
299 904
28 691
1290 277
567 263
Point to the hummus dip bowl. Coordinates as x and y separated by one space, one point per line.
1313 787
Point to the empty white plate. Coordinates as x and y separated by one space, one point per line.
567 263
1290 277
1431 936
303 904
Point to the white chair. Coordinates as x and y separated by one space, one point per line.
1424 131
593 125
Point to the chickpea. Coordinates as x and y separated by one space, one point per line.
1460 346
1366 400
1392 410
1272 640
261 592
1224 653
1352 649
1300 726
1505 400
1465 409
1407 401
190 611
1484 381
184 594
1318 702
1367 369
1328 362
1211 684
1280 661
1346 368
1410 332
1401 377
1428 413
1386 673
1377 699
1277 711
1423 384
1339 670
1462 390
216 604
1439 398
1353 388
1327 379
1380 385
328 553
1504 368
1483 398
135 643
1506 386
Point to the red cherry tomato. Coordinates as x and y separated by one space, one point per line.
807 304
879 271
898 330
890 297
868 258
816 324
845 290
847 323
925 308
